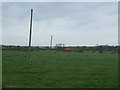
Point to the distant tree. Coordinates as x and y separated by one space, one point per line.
100 49
118 49
60 46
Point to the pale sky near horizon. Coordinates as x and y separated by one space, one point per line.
71 23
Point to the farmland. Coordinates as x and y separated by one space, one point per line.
53 69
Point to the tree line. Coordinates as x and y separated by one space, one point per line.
60 47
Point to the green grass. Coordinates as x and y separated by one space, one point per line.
52 69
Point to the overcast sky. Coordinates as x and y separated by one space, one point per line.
71 23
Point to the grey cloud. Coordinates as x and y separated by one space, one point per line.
69 23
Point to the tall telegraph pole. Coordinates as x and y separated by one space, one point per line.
51 42
30 30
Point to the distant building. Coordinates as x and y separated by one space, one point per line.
67 49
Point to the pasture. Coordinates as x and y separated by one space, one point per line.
54 69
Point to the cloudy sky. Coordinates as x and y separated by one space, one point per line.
71 23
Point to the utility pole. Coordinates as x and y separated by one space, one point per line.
30 32
51 42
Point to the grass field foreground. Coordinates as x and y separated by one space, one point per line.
59 69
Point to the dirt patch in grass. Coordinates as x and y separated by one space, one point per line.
10 86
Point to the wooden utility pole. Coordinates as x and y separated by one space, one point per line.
30 28
30 32
51 42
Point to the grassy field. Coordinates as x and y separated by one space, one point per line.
51 69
